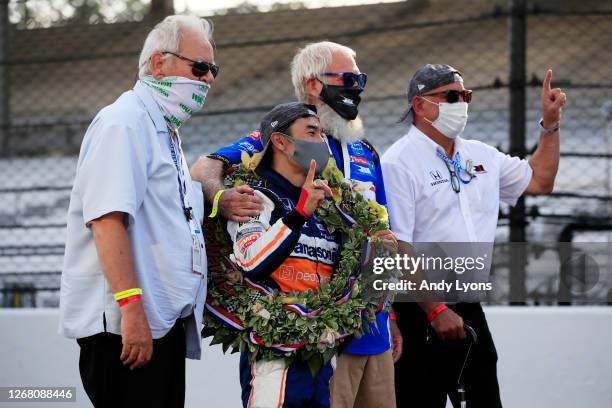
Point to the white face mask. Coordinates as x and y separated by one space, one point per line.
452 118
178 97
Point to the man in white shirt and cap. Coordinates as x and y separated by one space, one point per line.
134 277
444 188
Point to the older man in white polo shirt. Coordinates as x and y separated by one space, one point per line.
134 278
444 188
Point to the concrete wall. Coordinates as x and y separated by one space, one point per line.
549 358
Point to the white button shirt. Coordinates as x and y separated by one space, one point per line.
125 165
424 207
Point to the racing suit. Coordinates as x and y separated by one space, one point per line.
360 163
281 249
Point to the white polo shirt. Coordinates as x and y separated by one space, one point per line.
424 207
125 164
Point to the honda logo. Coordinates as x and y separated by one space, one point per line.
435 174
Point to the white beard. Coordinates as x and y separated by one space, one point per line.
346 131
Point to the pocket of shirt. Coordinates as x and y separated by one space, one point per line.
483 196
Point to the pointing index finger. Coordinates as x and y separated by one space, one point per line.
547 81
311 171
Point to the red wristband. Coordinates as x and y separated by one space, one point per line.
436 311
129 299
392 316
300 205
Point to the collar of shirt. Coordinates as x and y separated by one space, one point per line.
280 182
429 144
152 108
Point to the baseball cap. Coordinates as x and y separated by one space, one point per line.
281 117
426 78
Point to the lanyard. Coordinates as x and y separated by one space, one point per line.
456 164
178 163
347 161
333 146
198 257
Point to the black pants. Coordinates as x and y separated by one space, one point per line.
159 383
429 368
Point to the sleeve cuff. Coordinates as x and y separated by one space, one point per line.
294 220
93 214
226 162
512 199
407 238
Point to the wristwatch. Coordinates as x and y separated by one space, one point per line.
548 130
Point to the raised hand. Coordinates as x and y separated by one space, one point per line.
313 192
552 102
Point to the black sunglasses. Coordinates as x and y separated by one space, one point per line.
198 68
350 79
453 95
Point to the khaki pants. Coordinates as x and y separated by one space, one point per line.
363 381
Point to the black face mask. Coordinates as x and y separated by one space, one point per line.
344 101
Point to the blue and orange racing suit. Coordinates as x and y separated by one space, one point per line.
281 249
360 163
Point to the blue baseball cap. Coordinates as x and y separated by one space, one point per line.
427 78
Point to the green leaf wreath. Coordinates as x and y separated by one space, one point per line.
270 330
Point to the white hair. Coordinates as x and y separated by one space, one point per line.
346 131
167 35
311 61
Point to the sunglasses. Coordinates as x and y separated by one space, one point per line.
198 68
349 79
454 178
453 95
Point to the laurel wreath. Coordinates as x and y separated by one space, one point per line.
315 339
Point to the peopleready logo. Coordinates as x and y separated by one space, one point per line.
412 264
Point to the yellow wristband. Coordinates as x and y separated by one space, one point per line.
215 205
127 293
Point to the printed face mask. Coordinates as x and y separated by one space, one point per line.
178 97
344 101
305 151
452 118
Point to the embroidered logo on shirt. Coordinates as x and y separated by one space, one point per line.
356 147
255 135
359 160
479 168
247 241
364 170
472 168
437 178
246 146
324 254
290 274
247 231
